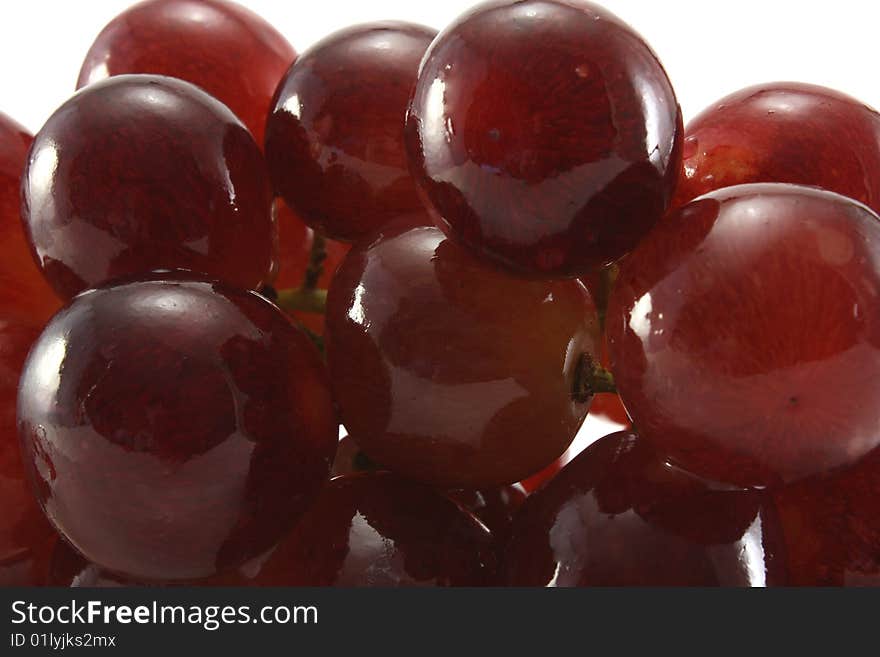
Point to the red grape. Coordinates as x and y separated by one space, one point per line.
174 428
24 531
545 135
26 302
784 132
743 338
143 172
364 530
284 564
831 525
334 140
374 529
24 294
618 515
228 51
494 507
449 371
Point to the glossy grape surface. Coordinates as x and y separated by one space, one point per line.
449 371
618 515
784 132
743 337
335 138
142 172
24 294
364 530
545 135
228 51
174 428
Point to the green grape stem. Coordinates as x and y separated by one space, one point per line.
317 256
303 299
590 379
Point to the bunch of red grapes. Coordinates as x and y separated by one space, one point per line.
217 252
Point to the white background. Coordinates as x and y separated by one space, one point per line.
709 48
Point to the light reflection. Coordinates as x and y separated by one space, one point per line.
640 317
435 123
356 312
165 301
47 367
468 423
655 119
370 554
293 106
753 558
43 167
99 72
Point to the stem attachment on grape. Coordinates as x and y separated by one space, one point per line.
302 299
591 378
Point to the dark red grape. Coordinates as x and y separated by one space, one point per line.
143 172
449 371
24 294
174 428
618 515
26 302
545 135
364 530
784 132
24 532
494 507
831 525
228 51
374 529
334 140
743 336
